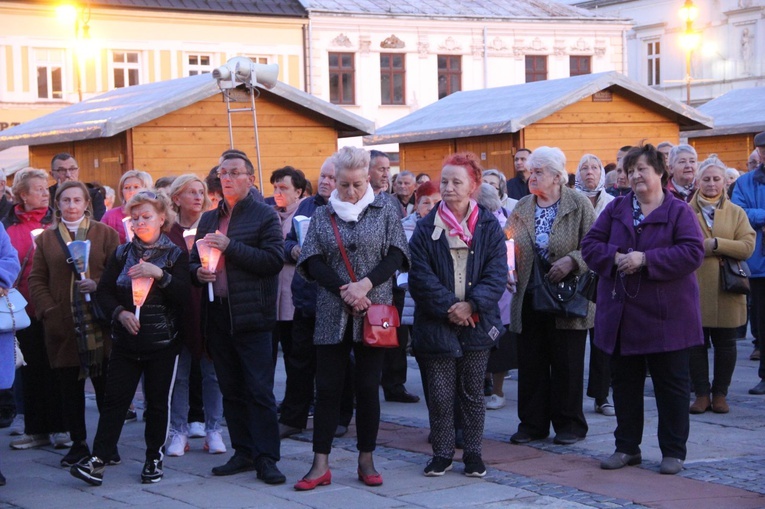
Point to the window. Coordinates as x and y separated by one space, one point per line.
449 75
258 59
579 65
392 74
653 57
341 78
50 82
536 68
198 64
126 68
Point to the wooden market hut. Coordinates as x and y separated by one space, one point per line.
593 113
739 115
180 126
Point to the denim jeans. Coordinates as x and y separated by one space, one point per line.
211 396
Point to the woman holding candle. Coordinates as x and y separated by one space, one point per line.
77 346
130 183
458 274
189 197
147 345
43 413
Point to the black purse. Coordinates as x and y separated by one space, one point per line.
568 298
734 275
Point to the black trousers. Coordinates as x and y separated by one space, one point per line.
332 363
550 376
599 381
300 368
394 364
757 318
245 371
724 343
282 333
43 410
125 370
72 391
670 377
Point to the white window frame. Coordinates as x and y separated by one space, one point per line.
259 59
653 60
198 68
125 67
49 63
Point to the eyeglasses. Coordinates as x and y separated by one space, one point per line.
67 170
230 174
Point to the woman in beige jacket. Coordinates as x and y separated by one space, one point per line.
726 233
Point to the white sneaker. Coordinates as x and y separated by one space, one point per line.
197 430
495 402
61 440
17 426
178 445
30 441
214 443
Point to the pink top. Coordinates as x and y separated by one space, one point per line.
114 219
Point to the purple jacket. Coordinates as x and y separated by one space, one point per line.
660 310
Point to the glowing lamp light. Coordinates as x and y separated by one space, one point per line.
141 287
128 229
689 11
209 257
66 13
188 237
690 40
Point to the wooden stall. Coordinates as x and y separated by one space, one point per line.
597 113
739 116
181 126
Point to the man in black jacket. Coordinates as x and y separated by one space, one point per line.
64 167
518 186
239 320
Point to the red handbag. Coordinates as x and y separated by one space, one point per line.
380 320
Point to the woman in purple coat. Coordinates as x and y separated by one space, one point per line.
645 246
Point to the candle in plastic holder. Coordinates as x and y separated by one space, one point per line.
128 228
36 233
188 237
209 257
510 254
141 287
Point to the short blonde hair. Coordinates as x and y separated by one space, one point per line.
351 158
159 201
146 181
21 181
180 184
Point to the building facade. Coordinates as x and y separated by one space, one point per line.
730 52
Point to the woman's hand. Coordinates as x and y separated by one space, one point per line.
295 253
4 292
86 285
629 263
205 276
129 321
145 270
461 313
353 293
362 305
560 269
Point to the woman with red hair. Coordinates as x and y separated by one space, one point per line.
458 274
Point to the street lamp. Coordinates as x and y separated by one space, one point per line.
689 41
79 14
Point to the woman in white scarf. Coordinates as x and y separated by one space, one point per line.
591 182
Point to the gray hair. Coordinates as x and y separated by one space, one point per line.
487 196
549 158
733 172
502 181
665 144
109 192
601 181
406 173
711 162
674 154
351 158
22 178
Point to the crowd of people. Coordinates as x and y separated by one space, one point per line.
189 286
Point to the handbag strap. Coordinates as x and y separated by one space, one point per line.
10 309
24 264
342 248
69 260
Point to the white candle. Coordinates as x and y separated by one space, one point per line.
510 255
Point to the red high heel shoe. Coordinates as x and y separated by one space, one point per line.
370 480
309 484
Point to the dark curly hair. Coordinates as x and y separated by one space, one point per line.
653 158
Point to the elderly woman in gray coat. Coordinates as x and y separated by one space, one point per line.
372 235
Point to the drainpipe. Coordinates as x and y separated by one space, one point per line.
485 57
309 78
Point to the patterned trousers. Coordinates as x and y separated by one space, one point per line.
461 378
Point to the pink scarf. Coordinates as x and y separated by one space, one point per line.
455 228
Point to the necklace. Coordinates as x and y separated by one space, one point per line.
621 277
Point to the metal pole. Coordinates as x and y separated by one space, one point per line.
688 77
257 141
230 129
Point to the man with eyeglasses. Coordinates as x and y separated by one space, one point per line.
239 321
64 168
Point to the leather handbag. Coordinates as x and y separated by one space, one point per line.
734 275
13 316
380 320
568 298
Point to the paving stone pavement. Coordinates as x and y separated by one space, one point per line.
725 466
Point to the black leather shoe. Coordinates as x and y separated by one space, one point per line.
758 389
268 472
620 459
522 437
236 465
402 396
566 438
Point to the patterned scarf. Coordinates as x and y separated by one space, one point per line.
88 333
708 206
455 227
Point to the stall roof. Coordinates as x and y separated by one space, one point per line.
291 8
120 109
476 9
738 111
509 109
